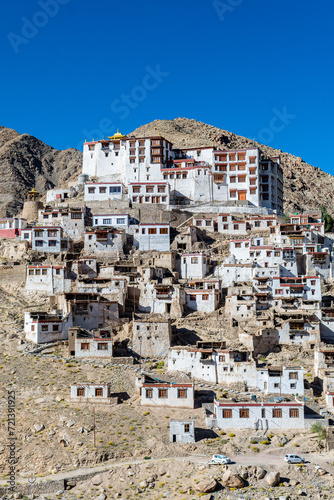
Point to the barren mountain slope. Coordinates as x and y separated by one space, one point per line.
305 186
26 162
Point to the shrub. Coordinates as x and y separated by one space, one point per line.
296 445
253 441
222 433
255 448
265 442
280 445
270 436
231 435
320 430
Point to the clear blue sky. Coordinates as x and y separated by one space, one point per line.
259 68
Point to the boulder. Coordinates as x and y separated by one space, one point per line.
260 473
273 478
38 428
96 480
206 485
101 497
232 480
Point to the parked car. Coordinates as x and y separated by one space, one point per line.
220 459
294 459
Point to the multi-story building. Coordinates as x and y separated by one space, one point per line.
45 239
149 192
12 227
152 237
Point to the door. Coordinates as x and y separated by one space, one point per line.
241 196
174 438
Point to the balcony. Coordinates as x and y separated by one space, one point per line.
163 296
207 361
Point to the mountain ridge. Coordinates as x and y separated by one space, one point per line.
26 162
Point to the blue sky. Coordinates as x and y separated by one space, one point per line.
76 69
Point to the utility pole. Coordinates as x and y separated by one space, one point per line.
94 427
31 481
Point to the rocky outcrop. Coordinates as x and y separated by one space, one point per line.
232 480
27 162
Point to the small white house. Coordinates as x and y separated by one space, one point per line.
228 224
41 327
152 237
205 223
182 431
101 191
194 265
91 393
167 394
202 300
93 347
111 220
281 380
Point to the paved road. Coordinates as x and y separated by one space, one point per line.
262 459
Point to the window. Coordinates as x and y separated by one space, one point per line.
163 393
52 243
39 243
276 386
149 189
45 328
102 346
120 221
293 376
277 413
241 178
252 159
163 230
143 230
263 413
31 272
85 346
91 190
221 359
205 297
76 215
237 245
227 413
235 227
194 260
98 392
244 413
186 428
152 230
192 297
114 189
233 194
132 160
102 190
182 393
252 190
149 393
106 221
233 178
80 391
26 236
136 189
55 328
293 386
294 413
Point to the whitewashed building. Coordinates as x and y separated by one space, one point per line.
42 327
149 192
257 415
48 279
111 220
46 239
72 220
11 227
228 224
182 431
194 265
91 393
102 191
166 394
152 237
281 380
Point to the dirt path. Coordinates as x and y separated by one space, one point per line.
262 459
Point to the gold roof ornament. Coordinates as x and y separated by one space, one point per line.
116 136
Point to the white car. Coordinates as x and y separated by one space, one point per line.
294 459
220 459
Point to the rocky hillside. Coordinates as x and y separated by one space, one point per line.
27 162
305 186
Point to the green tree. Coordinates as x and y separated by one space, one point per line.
327 218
